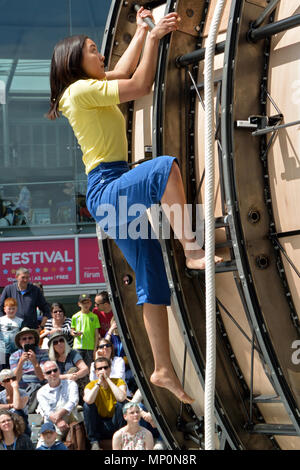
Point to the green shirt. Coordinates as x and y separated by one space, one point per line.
87 323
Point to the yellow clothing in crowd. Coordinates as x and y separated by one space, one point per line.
105 399
91 107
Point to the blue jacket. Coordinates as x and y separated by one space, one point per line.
27 303
56 446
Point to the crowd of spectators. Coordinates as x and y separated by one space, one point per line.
72 371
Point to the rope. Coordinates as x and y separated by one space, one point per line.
209 391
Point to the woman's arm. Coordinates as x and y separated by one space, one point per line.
18 402
141 82
83 370
129 60
149 442
117 440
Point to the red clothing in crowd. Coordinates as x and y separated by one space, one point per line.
104 319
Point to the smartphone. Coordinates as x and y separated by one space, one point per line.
29 347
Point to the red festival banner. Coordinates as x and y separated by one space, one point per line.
51 262
90 267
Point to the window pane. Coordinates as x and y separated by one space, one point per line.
40 160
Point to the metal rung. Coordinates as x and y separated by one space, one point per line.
266 399
266 130
227 244
197 55
268 10
221 221
274 429
226 266
274 28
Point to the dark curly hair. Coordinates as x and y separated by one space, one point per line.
19 424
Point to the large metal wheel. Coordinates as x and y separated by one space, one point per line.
257 393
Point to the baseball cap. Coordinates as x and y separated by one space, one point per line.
47 427
83 297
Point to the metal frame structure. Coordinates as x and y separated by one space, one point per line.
239 423
235 36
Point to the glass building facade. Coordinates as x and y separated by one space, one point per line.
42 179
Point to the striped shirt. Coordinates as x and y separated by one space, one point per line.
65 329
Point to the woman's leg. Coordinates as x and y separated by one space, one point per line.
174 194
156 324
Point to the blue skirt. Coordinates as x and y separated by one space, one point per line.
118 198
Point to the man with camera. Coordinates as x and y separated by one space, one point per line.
26 363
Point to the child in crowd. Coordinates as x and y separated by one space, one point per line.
10 325
49 436
85 327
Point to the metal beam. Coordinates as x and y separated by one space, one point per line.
195 56
274 429
268 10
273 28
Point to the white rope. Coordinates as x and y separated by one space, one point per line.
210 370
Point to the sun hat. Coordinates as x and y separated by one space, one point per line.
27 330
6 374
55 335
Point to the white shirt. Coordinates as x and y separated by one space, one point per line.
51 399
117 369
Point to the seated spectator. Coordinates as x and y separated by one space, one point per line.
103 311
6 214
114 337
24 202
106 349
13 398
58 323
85 329
69 361
57 400
84 215
49 437
10 325
12 435
148 422
26 364
102 404
132 436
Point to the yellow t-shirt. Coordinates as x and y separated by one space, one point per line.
98 124
105 399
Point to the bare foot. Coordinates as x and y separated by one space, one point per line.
169 380
195 259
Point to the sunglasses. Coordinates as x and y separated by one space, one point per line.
25 338
5 381
56 341
103 367
108 345
57 311
50 371
100 303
